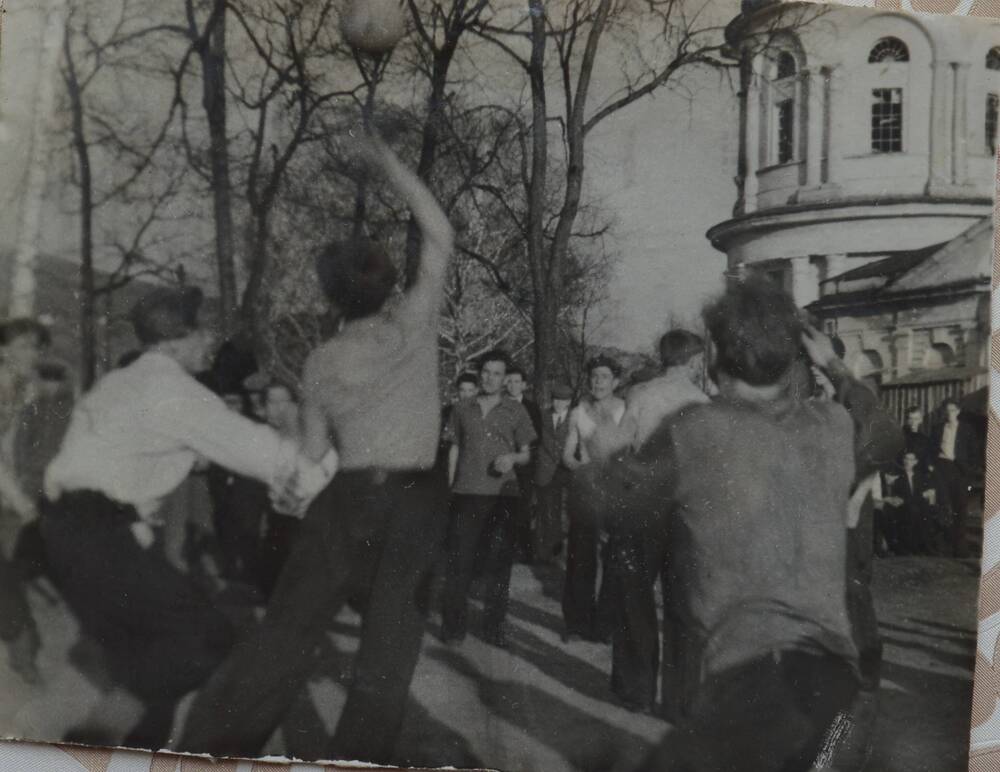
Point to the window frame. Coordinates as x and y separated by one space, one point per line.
899 145
884 42
783 104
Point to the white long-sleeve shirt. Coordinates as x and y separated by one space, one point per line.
135 436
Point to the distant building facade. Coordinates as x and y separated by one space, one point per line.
867 168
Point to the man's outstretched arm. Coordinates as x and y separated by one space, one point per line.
435 229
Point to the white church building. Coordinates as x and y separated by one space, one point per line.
867 169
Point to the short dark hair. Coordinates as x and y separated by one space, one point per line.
951 401
493 355
756 330
24 325
466 378
603 360
356 275
515 370
678 347
166 313
914 409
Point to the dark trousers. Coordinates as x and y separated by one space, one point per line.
161 634
239 505
15 614
769 715
551 501
481 534
523 514
956 489
274 549
860 603
586 612
635 642
365 532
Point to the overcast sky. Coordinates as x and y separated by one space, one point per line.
664 168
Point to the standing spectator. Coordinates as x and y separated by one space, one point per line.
38 435
514 386
552 477
916 439
491 436
22 343
908 498
960 458
238 502
466 387
636 642
281 408
594 432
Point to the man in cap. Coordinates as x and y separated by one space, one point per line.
132 440
552 476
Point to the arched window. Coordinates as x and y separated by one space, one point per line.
938 355
784 93
887 100
889 50
993 58
786 65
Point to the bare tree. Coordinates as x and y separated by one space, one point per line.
87 54
574 32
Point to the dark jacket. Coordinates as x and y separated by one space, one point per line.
920 444
535 414
969 450
897 484
550 448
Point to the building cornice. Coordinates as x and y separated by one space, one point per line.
846 209
875 301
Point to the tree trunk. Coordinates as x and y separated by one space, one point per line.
88 299
430 141
253 305
544 314
213 62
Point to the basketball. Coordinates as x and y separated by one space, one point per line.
373 26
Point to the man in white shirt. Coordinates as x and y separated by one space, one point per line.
132 440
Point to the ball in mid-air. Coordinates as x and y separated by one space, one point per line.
373 26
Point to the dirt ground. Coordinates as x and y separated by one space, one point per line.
927 616
547 706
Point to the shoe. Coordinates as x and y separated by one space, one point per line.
571 634
638 706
